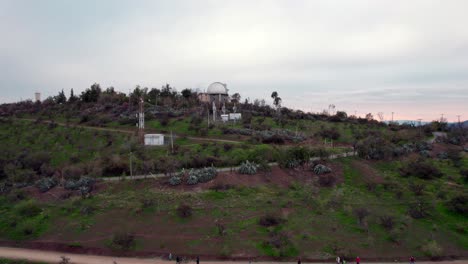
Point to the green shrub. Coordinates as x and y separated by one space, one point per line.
432 249
387 221
28 208
420 168
459 203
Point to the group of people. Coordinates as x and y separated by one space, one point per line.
341 260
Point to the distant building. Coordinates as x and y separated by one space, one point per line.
38 97
217 93
154 139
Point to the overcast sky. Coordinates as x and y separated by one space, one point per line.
409 57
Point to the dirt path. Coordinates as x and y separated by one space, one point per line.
55 257
132 131
161 175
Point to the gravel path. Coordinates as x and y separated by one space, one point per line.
55 257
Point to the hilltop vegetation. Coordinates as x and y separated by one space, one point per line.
403 194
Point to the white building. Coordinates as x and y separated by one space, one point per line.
217 92
154 139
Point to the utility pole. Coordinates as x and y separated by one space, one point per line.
141 122
458 119
131 170
441 118
392 117
419 126
172 143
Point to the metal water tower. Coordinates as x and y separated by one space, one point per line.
38 96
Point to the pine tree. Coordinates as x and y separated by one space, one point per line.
72 97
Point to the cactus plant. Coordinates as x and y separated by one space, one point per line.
201 175
321 169
249 168
442 155
292 163
192 179
424 153
46 184
174 180
82 182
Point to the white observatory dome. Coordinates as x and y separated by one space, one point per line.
217 88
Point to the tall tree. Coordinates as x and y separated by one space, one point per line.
186 93
60 98
72 97
276 100
91 94
235 98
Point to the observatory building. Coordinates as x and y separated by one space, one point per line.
217 93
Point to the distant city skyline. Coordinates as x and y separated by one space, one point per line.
406 57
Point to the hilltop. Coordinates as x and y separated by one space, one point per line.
403 193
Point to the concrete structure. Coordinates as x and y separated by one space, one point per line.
225 118
38 97
235 116
154 139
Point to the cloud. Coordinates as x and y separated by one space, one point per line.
367 56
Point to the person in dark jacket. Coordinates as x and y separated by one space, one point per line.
198 260
299 261
177 259
411 260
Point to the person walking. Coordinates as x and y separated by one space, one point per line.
358 260
299 261
338 260
177 259
411 260
198 260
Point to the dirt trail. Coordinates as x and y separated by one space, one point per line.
54 257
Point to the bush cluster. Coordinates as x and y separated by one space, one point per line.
201 175
249 168
420 168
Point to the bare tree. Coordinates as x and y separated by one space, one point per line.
381 116
331 109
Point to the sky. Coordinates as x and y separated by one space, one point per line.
406 57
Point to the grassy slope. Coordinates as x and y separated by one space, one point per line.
71 145
319 222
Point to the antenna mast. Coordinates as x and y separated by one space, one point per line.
141 121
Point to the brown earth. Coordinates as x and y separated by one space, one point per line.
277 177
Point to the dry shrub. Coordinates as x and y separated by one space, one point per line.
184 211
270 220
123 241
326 180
